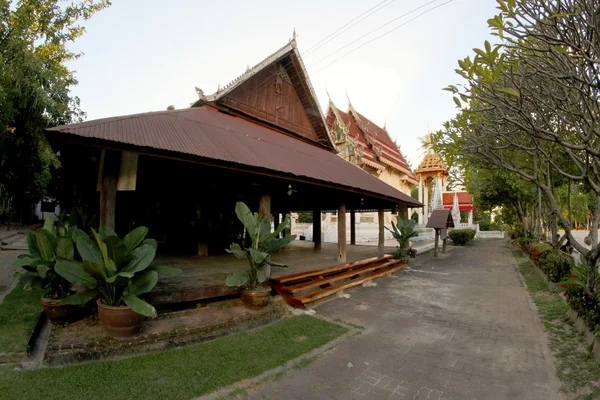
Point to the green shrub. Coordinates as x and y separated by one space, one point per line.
536 249
461 236
556 265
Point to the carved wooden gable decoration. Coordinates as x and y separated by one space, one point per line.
276 91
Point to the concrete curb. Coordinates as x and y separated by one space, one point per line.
255 381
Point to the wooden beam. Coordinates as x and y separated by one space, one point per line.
352 227
108 193
317 229
381 242
342 232
264 205
437 243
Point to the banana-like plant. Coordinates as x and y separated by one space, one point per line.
402 231
117 271
46 247
264 242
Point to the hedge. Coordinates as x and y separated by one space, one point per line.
461 236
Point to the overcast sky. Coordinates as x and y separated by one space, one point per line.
143 55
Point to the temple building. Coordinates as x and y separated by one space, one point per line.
432 176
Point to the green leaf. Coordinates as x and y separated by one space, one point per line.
286 223
108 263
139 306
64 248
88 250
457 102
135 237
260 276
94 269
150 242
44 245
49 226
276 264
142 258
143 282
74 272
32 245
277 244
236 250
511 92
80 297
113 278
42 271
258 256
237 279
247 218
24 260
105 232
75 233
116 250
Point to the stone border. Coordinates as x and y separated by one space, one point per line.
57 354
14 358
579 323
257 380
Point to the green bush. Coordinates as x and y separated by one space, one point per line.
556 265
461 236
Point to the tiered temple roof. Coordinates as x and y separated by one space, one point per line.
369 145
431 163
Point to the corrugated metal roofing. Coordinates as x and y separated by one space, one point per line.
205 132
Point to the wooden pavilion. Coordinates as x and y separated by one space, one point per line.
261 139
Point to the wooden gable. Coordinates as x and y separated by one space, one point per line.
271 97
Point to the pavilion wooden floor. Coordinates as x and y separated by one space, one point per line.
203 278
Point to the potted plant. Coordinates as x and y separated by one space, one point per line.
118 272
48 246
255 294
402 231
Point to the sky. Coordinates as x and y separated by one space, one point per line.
144 55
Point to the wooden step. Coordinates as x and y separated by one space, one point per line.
320 281
314 296
309 274
307 287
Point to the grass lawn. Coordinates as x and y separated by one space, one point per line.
181 373
18 315
577 370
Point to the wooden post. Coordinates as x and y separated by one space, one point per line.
352 227
444 245
381 243
437 242
108 193
264 205
341 232
317 229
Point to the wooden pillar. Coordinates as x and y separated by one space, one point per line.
381 242
437 242
342 232
108 193
264 205
317 229
352 227
444 243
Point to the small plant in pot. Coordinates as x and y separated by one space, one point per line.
402 231
117 272
47 247
255 293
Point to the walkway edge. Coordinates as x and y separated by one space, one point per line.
545 349
257 380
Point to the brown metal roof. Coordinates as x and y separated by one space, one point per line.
440 219
205 132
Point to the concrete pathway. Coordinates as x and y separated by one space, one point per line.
458 327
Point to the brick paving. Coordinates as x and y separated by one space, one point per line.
458 327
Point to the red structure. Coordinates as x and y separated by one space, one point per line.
465 200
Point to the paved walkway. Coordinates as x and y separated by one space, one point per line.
458 327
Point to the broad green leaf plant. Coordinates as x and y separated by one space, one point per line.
264 242
402 231
47 247
118 271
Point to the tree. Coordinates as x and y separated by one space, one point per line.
530 103
35 88
170 108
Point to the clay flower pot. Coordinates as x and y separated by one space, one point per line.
255 299
119 321
59 313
